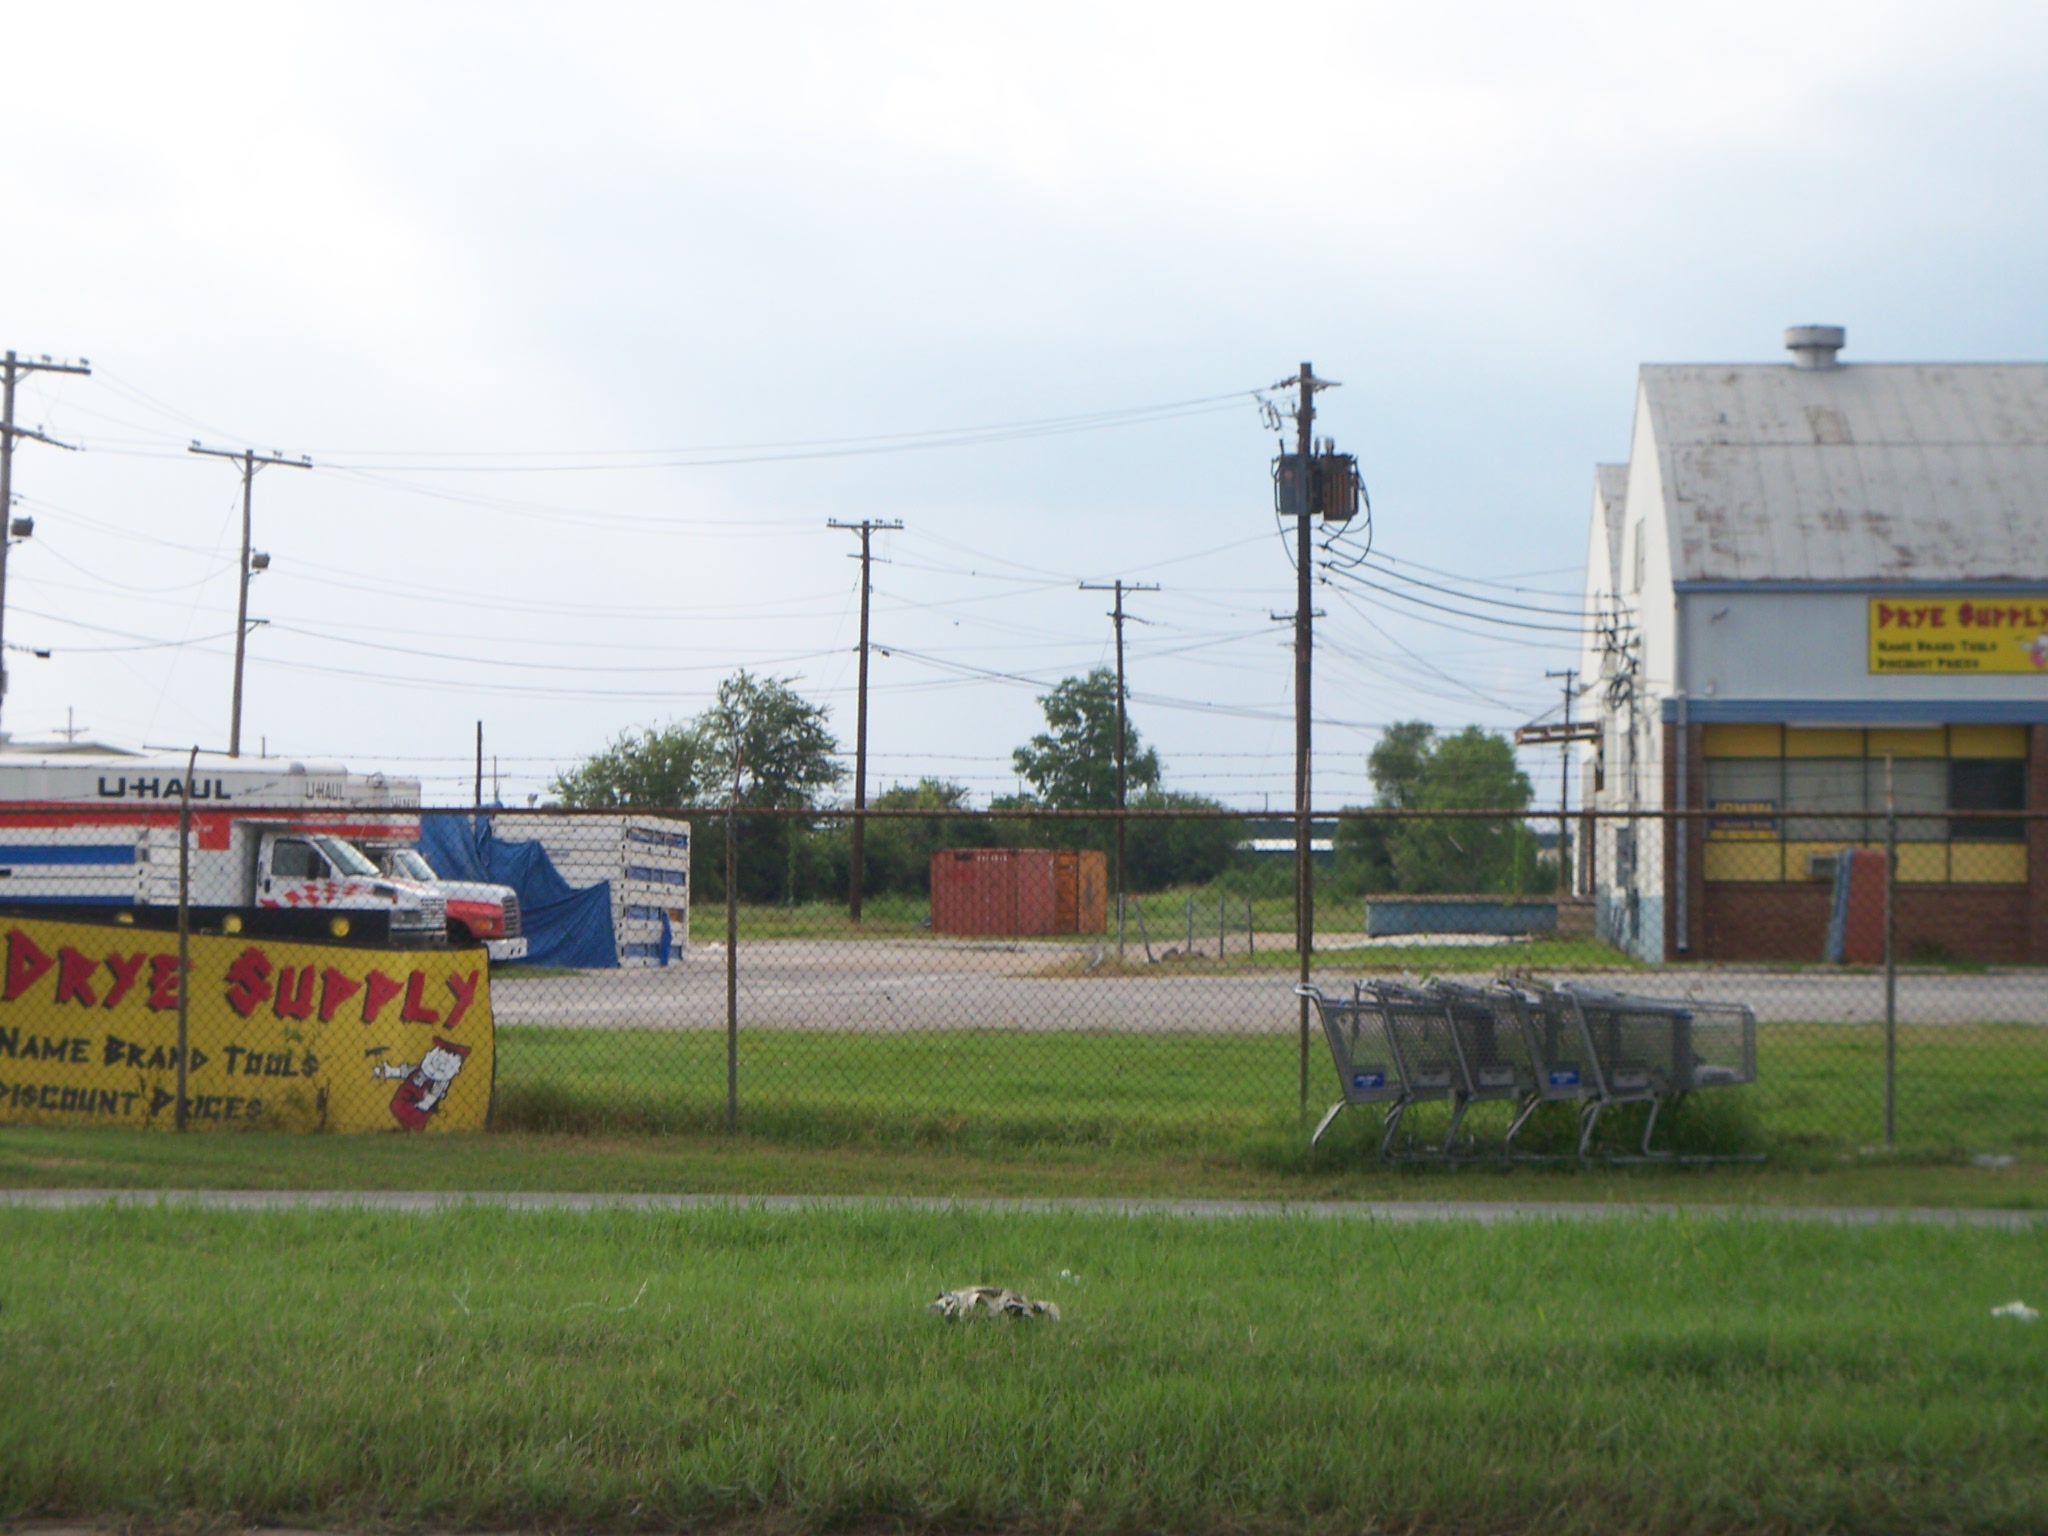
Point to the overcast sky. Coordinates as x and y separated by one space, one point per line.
533 286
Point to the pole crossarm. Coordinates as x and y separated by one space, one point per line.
1553 733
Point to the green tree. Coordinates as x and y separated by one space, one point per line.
898 850
1170 851
653 768
764 744
1071 765
1415 770
1364 845
760 741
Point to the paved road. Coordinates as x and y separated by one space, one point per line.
913 986
1479 1212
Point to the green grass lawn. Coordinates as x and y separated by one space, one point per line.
488 1370
708 1162
1963 1090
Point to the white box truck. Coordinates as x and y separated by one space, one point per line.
272 847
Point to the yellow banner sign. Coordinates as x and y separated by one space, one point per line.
288 1036
1959 634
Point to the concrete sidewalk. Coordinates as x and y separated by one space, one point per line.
1478 1212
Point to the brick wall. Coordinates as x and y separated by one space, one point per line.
1790 921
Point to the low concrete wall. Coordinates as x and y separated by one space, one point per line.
1391 915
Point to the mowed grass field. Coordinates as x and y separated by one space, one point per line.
1964 1089
478 1369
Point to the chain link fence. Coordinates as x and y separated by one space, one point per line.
700 969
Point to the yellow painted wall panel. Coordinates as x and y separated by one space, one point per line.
1823 741
1741 740
1797 854
1923 863
1902 741
1745 861
1989 863
1987 741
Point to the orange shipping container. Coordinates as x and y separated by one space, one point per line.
1018 892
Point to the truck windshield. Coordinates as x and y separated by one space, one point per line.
409 863
345 857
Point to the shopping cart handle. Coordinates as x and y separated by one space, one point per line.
1303 989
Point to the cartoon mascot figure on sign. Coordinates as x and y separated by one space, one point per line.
422 1088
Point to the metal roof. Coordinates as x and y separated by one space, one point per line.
1865 472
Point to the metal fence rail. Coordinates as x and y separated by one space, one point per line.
698 968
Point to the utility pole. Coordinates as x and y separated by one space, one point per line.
251 461
1120 587
479 765
12 370
866 529
1567 885
1304 641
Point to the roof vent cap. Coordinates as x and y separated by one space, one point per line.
1815 346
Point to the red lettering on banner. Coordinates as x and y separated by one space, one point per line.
163 983
26 965
293 1002
464 988
378 989
127 971
416 1010
74 978
335 989
248 981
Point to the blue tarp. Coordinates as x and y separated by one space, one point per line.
564 926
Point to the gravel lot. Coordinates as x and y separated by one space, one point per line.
928 985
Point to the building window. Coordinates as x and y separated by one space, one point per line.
1782 801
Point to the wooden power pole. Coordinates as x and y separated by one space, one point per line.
251 461
1117 614
12 369
866 529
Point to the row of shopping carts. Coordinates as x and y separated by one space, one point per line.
1525 1044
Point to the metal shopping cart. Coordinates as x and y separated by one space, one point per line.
1363 1050
1492 1049
1562 1066
1654 1051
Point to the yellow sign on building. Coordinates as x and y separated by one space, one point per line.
1959 634
288 1036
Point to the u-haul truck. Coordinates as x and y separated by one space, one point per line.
272 846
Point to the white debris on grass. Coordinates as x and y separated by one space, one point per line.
995 1300
2019 1311
1993 1160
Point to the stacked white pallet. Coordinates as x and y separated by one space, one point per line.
646 860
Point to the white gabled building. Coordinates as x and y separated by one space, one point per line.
1811 574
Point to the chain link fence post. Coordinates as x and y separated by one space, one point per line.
184 934
1891 959
732 999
